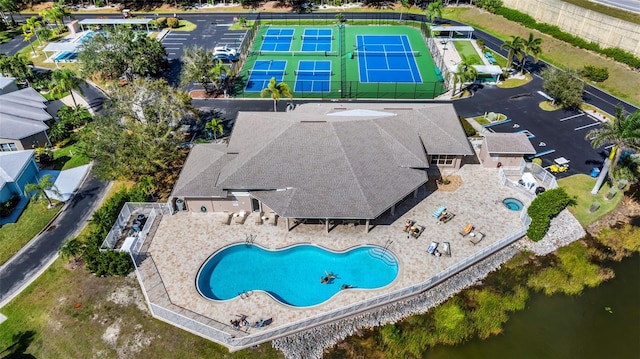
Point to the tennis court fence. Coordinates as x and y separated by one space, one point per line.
294 53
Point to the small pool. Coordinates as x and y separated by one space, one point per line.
513 204
293 275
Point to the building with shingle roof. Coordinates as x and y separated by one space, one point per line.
322 161
23 117
505 149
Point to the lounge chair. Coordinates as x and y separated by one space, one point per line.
273 219
467 229
258 218
226 218
432 248
242 216
446 249
446 217
416 230
439 211
476 237
408 224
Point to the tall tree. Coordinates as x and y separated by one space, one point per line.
405 5
198 65
119 52
276 90
39 189
623 132
63 80
138 132
434 10
565 87
56 13
31 26
16 66
466 71
514 48
531 46
215 127
10 6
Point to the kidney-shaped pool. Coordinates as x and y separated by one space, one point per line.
294 275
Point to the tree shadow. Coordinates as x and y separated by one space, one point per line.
21 342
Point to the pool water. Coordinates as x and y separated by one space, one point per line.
292 275
513 204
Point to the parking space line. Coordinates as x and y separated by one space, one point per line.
172 48
570 117
586 126
608 147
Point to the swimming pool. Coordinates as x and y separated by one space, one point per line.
513 204
292 275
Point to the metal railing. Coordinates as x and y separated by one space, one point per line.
129 209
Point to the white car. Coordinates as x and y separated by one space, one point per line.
226 50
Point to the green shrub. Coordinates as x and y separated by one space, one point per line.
480 44
173 22
595 73
9 205
612 52
489 5
543 208
468 129
161 22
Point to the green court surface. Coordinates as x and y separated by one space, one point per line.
345 60
465 48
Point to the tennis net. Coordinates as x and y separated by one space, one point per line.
318 37
294 53
267 73
387 53
277 37
313 73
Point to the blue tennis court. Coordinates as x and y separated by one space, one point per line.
263 71
386 58
317 40
313 76
278 39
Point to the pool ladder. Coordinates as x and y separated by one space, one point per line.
250 238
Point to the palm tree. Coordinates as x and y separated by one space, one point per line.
10 6
466 71
71 248
31 27
37 190
514 48
405 5
63 80
215 127
531 46
276 91
623 132
434 10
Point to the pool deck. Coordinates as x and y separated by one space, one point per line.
184 241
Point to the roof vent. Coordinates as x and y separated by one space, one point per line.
233 153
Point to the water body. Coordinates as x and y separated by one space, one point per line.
563 326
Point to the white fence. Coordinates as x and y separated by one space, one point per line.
544 178
128 210
162 308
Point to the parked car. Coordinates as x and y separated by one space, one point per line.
225 57
225 50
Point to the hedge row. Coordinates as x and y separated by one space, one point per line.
612 52
543 208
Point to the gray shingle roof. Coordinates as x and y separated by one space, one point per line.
509 143
22 114
323 162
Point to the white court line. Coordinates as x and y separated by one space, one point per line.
172 48
171 53
224 25
570 117
585 126
200 20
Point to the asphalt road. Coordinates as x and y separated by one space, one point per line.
43 248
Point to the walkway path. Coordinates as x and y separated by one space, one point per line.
37 255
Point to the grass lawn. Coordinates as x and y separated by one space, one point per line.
68 157
622 82
590 108
185 25
466 49
50 97
515 82
481 120
39 60
8 35
547 106
14 236
580 186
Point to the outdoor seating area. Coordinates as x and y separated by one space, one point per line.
446 249
433 248
413 229
240 217
476 236
438 212
489 56
445 217
466 230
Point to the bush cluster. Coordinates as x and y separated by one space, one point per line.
490 5
173 22
543 208
161 22
614 53
7 206
595 73
468 129
108 263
